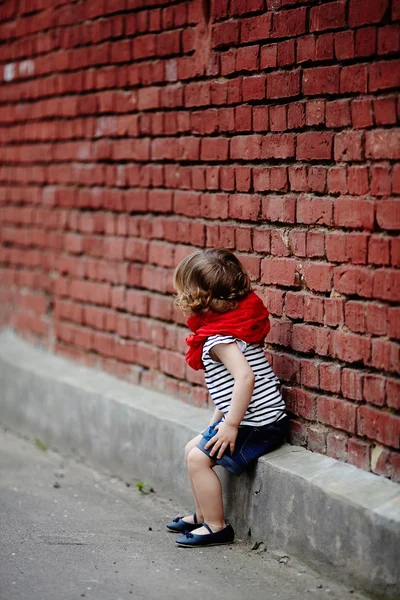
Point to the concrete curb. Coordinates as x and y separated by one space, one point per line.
315 507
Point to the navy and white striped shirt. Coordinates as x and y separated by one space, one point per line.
266 405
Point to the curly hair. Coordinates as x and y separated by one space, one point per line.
210 279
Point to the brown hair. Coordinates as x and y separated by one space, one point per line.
212 278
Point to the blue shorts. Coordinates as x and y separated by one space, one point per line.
251 443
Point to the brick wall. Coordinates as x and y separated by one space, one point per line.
133 131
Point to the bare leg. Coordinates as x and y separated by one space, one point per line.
199 514
208 490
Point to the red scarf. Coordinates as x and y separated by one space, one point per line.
248 322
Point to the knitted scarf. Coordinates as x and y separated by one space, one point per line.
248 322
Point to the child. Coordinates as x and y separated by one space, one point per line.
229 324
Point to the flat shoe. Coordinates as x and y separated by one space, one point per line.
191 540
178 525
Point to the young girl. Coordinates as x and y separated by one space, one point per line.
229 324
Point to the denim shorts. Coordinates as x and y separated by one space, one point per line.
251 443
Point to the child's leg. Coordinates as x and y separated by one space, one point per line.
189 446
208 490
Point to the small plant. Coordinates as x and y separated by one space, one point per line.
40 445
140 486
144 487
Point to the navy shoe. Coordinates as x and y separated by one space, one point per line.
191 540
178 525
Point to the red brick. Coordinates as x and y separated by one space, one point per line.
269 56
294 305
387 285
289 23
362 14
247 58
385 355
355 316
344 45
353 79
255 28
337 180
286 53
314 145
393 393
278 118
301 402
260 118
361 113
376 318
305 48
245 147
394 322
318 276
283 84
379 426
330 377
315 112
313 309
244 206
388 39
359 454
358 180
243 115
308 338
297 242
388 214
337 413
348 146
253 88
279 209
225 34
338 113
321 81
274 300
328 16
353 280
278 146
214 149
324 48
352 384
214 206
281 271
374 389
313 210
350 347
316 179
287 368
350 212
334 311
365 41
384 75
381 180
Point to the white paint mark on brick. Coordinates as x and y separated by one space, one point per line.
9 72
171 70
27 67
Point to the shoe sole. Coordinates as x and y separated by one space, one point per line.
204 545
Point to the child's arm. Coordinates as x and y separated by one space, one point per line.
217 416
233 359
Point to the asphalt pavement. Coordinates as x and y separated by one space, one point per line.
68 532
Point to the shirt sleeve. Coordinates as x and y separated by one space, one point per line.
214 340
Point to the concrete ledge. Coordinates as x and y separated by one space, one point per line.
310 505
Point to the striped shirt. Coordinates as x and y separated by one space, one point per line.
266 405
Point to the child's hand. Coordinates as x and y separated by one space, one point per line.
225 437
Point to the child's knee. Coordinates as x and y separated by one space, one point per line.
196 459
191 445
